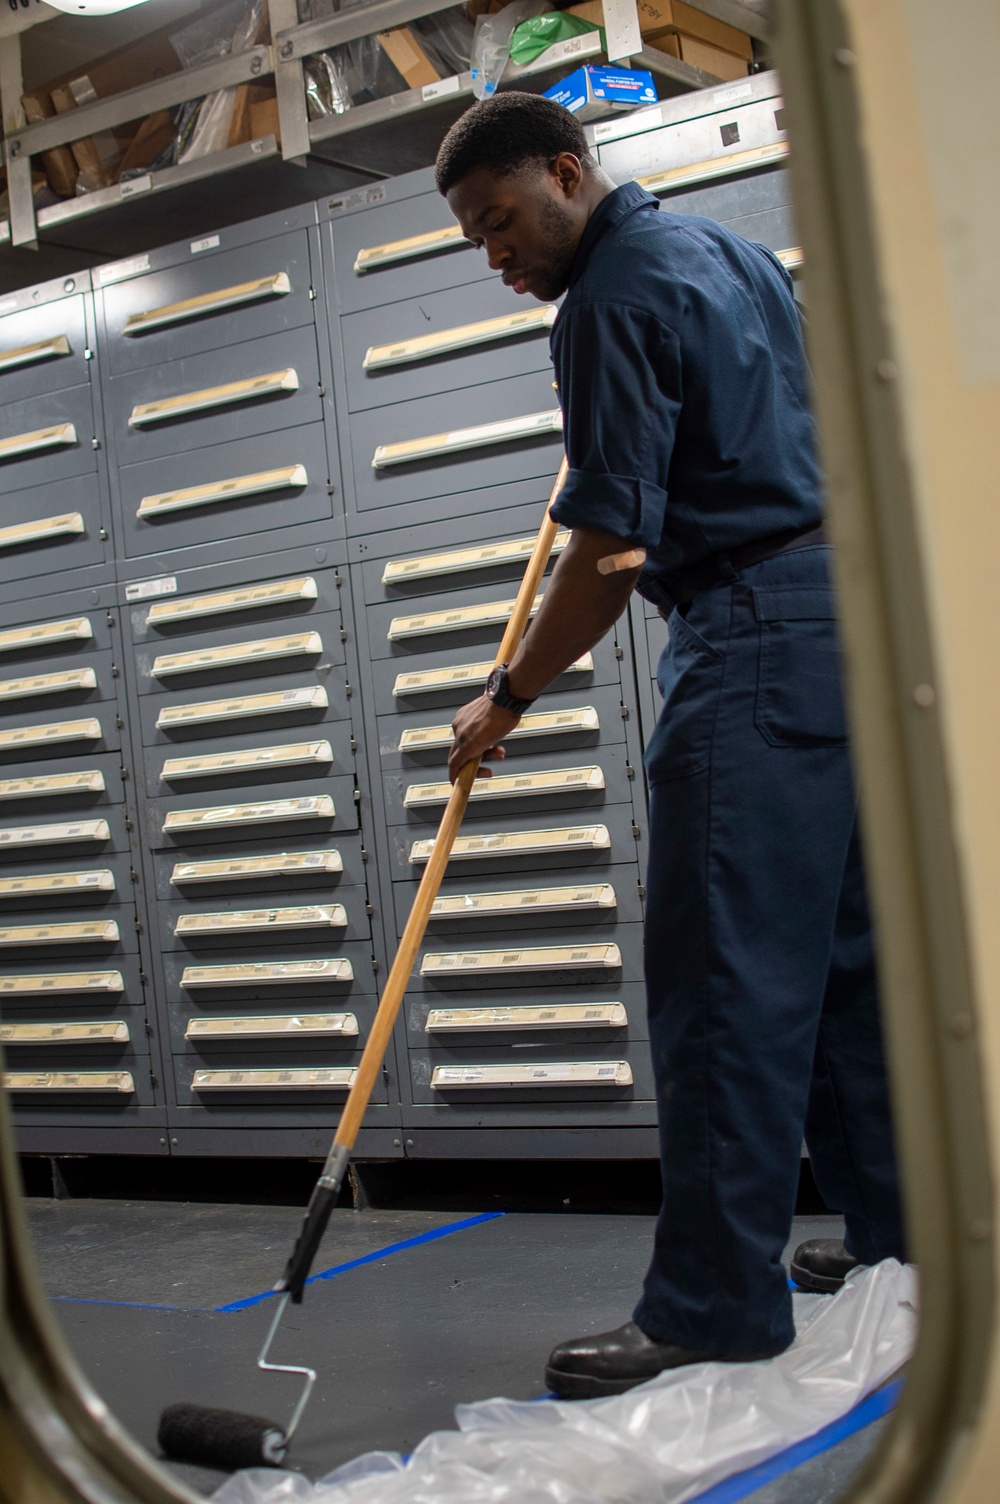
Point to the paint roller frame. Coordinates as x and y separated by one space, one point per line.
191 1433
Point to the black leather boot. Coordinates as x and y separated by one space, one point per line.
821 1265
611 1362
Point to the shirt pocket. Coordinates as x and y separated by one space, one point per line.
799 691
690 677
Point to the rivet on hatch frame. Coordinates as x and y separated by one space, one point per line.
844 57
886 370
924 696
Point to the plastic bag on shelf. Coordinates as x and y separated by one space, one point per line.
668 1440
535 34
447 39
327 88
491 43
220 123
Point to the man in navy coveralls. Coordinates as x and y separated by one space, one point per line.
693 477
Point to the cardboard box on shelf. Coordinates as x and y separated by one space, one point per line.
264 115
408 57
714 60
674 16
595 90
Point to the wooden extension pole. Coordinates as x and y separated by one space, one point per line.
327 1187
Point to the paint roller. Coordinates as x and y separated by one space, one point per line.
228 1439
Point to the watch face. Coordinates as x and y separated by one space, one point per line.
494 683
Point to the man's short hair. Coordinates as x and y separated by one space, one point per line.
505 133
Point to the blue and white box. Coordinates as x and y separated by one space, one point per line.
598 88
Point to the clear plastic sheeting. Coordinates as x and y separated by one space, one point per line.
668 1440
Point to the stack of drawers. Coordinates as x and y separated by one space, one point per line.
526 1011
55 515
73 1020
241 714
214 392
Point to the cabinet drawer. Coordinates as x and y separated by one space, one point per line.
47 439
448 419
46 530
43 349
208 303
241 652
261 483
553 1017
190 818
293 869
213 398
443 342
401 250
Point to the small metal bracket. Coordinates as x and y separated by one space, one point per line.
289 84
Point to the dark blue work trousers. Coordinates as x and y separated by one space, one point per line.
760 972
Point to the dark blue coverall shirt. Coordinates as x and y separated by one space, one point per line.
683 383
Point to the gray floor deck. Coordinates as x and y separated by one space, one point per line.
398 1340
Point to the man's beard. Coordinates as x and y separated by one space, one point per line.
560 241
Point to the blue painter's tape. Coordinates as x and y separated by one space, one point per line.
369 1258
741 1485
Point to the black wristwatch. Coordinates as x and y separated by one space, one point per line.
497 691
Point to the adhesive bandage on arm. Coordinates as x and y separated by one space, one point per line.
632 558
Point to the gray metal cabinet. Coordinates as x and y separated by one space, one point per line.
243 719
533 953
81 1048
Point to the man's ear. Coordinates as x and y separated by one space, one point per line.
568 170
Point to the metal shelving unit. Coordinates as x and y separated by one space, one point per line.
370 141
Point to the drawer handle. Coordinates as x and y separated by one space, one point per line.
433 623
555 1016
520 843
462 337
98 932
266 973
299 644
52 785
309 807
525 900
223 490
503 431
56 883
462 675
249 598
49 735
42 528
28 355
545 723
307 916
293 755
275 286
509 786
76 629
110 1032
48 684
62 981
274 1026
714 167
55 835
448 239
235 869
461 560
533 958
39 438
792 258
569 1073
187 403
332 1077
117 1081
280 702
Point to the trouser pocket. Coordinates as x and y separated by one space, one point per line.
799 683
689 676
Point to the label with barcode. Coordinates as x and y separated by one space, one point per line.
143 589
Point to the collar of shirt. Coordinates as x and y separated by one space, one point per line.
608 215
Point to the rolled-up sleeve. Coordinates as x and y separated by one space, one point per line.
619 375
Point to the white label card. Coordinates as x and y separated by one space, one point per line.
208 244
441 88
143 589
136 185
738 91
